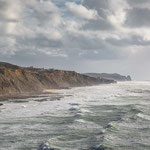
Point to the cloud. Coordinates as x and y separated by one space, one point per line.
132 40
99 5
139 3
81 11
138 17
99 24
111 14
27 20
71 31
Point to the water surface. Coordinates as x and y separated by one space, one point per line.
105 117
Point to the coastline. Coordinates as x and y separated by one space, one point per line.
19 96
26 95
24 82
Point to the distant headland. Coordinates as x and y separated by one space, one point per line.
114 76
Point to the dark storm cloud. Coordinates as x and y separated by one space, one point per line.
138 17
3 6
99 5
137 2
102 8
98 25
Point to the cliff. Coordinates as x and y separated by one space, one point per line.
15 80
115 76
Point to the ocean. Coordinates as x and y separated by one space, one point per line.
104 117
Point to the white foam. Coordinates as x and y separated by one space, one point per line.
146 117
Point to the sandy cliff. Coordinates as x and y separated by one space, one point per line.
18 80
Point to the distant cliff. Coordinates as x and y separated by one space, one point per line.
115 76
18 80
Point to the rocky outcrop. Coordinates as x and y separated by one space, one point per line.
128 78
18 80
115 76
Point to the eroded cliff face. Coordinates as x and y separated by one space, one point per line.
18 80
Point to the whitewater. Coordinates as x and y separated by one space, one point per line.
104 117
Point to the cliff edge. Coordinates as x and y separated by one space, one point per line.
15 80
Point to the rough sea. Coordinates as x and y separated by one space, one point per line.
104 117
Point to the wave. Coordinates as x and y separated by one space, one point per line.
140 91
145 117
103 147
46 146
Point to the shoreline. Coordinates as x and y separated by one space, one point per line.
18 96
28 95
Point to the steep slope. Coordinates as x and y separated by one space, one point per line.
115 76
18 80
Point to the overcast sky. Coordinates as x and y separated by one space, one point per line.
81 35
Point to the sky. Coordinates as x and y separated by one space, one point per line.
82 35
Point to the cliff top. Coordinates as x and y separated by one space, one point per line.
8 65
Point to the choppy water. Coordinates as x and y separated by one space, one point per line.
106 117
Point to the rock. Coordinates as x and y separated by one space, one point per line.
129 78
15 80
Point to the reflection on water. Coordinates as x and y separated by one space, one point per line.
106 117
